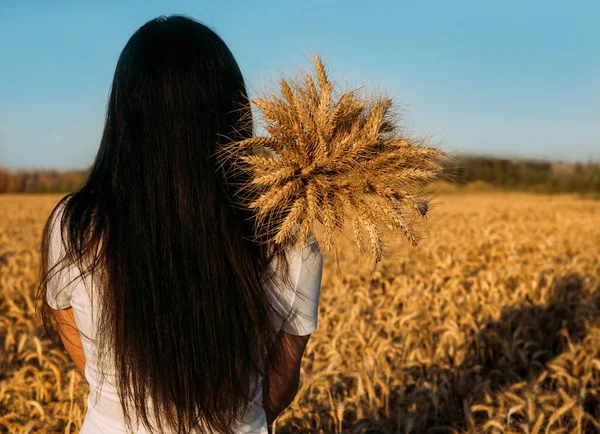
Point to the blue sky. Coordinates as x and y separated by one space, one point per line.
503 78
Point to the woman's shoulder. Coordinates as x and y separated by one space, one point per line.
309 253
56 215
305 272
62 272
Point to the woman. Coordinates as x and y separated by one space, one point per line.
179 318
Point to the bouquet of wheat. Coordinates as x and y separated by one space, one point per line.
332 162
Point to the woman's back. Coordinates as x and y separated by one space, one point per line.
298 307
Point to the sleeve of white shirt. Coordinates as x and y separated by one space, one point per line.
307 265
61 279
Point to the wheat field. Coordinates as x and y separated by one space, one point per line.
491 326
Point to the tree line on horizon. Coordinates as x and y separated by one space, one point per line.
501 173
523 175
41 181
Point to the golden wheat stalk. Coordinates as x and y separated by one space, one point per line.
330 161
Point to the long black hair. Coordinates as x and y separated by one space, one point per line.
186 306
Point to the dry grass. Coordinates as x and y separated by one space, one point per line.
492 326
40 389
333 160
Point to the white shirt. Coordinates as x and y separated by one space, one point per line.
104 413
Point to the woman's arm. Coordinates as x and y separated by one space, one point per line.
280 384
69 334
